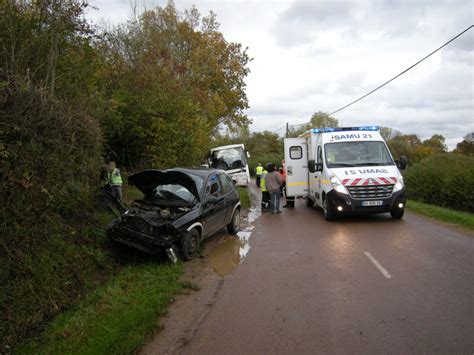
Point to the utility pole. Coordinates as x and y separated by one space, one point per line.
287 129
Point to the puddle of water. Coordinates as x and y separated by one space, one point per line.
225 257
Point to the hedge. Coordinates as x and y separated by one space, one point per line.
445 180
49 167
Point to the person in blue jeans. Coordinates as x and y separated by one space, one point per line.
273 184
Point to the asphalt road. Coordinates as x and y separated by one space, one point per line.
358 285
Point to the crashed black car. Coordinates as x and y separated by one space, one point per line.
180 208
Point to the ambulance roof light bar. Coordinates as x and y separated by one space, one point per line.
339 129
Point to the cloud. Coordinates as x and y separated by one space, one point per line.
302 22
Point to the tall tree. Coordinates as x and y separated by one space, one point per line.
436 144
389 133
175 81
466 146
322 119
41 39
318 120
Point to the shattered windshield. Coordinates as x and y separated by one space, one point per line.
362 153
177 192
228 159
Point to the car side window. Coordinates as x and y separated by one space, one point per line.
213 187
226 183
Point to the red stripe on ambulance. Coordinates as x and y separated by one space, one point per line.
369 181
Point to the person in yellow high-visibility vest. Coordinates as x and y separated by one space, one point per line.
115 181
265 194
258 173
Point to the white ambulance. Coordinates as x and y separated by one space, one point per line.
345 171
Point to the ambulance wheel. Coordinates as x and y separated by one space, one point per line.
190 245
398 213
309 202
328 213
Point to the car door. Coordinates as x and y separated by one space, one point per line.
213 210
231 196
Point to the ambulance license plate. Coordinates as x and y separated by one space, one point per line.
372 203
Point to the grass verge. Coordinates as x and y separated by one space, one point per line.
458 218
244 197
116 318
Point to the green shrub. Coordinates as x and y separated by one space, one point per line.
445 180
49 164
244 197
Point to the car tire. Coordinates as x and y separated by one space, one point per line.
309 202
398 213
234 226
328 213
190 245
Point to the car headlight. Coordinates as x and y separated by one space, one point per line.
336 184
399 184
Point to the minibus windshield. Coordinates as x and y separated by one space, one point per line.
360 153
229 158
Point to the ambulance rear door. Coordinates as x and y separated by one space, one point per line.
296 164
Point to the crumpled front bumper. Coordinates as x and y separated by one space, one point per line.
137 240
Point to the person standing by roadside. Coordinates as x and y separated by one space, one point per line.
273 183
104 176
265 194
281 173
258 173
115 181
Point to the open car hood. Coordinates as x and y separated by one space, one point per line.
147 180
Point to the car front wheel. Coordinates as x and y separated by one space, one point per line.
190 245
234 226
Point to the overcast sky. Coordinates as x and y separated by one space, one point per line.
313 56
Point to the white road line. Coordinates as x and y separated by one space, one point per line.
378 265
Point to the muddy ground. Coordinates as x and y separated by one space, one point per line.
220 255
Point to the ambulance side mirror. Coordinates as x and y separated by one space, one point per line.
311 166
319 167
402 163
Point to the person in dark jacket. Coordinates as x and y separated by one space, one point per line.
273 184
265 194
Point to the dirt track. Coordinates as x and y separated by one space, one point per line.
357 285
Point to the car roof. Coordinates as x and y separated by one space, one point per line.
204 172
